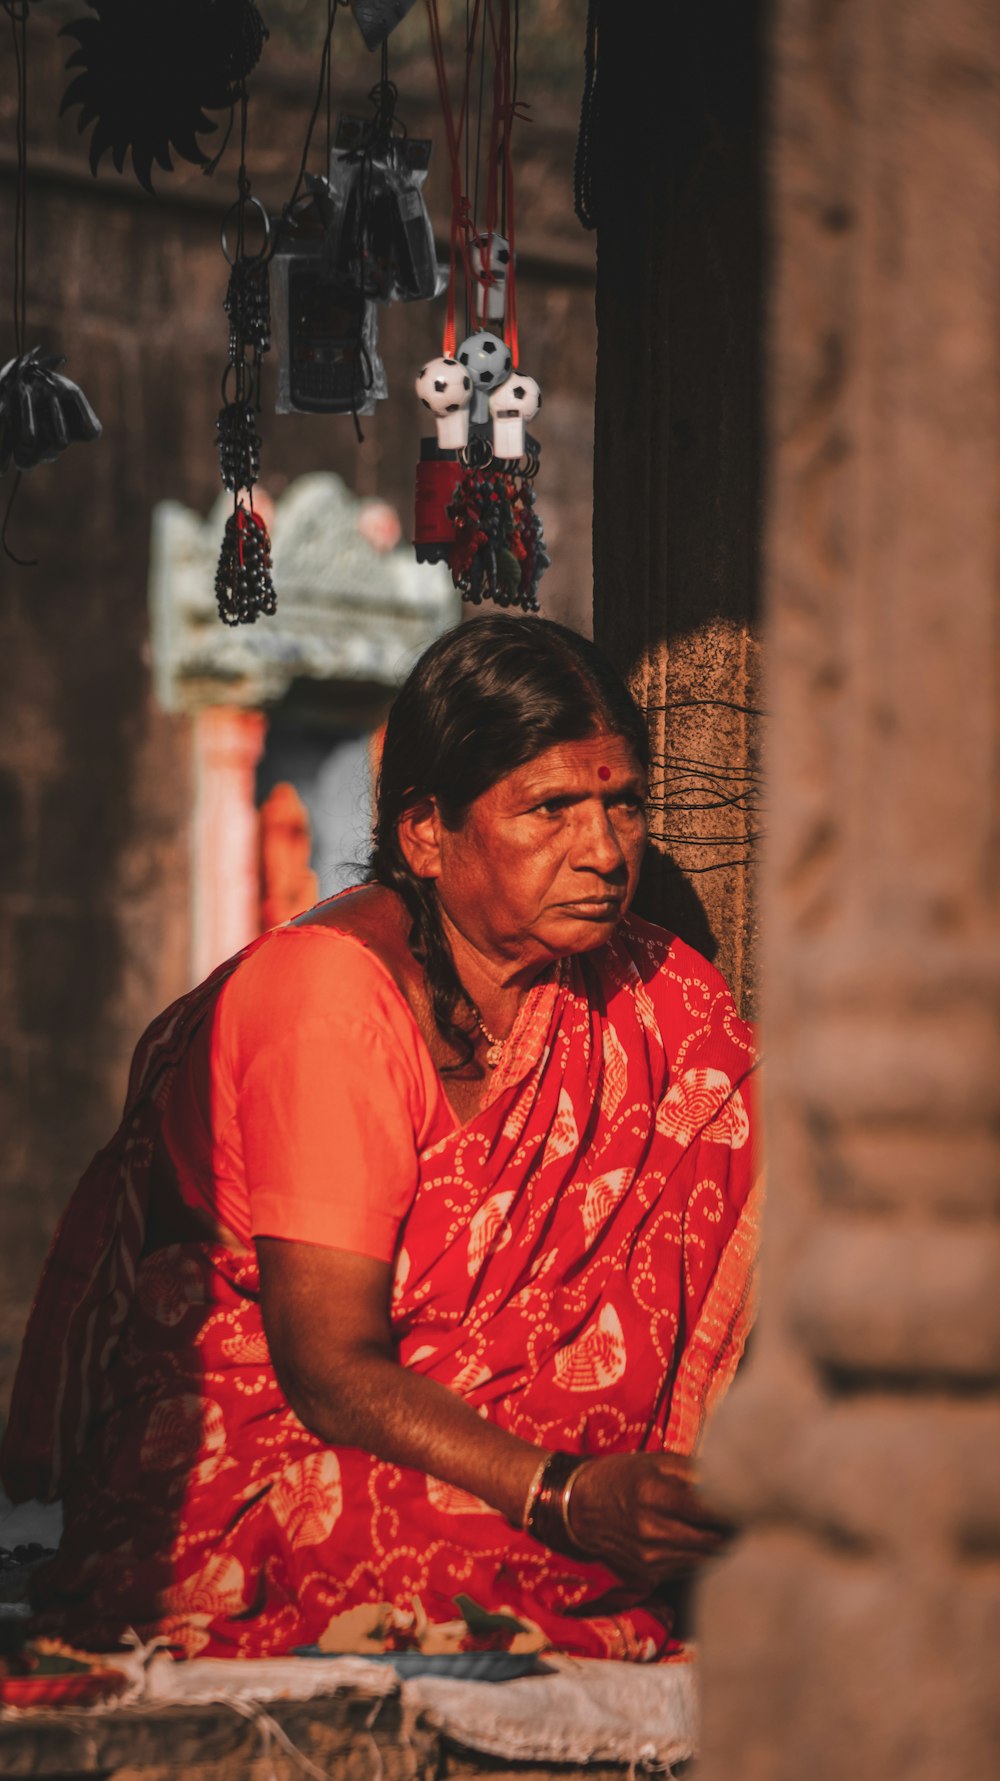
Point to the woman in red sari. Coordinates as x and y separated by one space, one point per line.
424 1246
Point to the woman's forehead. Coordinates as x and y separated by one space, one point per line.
600 757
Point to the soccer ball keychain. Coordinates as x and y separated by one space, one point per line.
475 500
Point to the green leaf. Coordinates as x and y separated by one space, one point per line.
52 1664
483 1620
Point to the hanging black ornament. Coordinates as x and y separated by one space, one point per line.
239 446
41 412
243 585
149 75
248 306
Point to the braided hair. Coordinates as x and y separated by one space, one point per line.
483 700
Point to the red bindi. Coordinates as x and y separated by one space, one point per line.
604 772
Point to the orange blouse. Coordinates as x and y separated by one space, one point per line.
307 1098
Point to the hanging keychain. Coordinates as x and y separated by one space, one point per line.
475 501
243 586
248 296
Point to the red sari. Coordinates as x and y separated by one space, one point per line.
576 1264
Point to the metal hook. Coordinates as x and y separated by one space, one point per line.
234 209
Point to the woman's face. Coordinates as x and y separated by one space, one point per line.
546 861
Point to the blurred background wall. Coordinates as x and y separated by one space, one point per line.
98 782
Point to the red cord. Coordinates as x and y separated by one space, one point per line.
493 163
461 223
504 59
462 230
501 129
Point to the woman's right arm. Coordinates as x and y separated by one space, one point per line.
327 1324
326 1315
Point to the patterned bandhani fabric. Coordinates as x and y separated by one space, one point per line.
576 1264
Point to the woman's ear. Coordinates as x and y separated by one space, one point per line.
419 831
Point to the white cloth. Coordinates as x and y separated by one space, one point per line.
580 1710
587 1710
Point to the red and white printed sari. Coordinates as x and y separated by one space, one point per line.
576 1264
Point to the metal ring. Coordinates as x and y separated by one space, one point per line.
477 454
265 219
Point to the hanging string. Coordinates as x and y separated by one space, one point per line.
584 189
513 102
686 784
510 227
18 15
242 177
458 203
330 8
480 108
468 149
461 224
244 389
22 562
479 149
244 587
493 165
514 64
501 171
497 28
322 89
19 34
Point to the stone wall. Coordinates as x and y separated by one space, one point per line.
95 780
854 1629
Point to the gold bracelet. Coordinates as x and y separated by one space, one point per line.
533 1489
564 1500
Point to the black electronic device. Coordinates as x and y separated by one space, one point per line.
328 365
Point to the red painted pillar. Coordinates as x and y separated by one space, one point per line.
226 871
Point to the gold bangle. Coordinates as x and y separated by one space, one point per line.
533 1489
564 1500
543 1512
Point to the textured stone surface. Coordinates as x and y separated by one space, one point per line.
853 1630
831 1664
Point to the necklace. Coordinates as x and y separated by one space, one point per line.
494 1046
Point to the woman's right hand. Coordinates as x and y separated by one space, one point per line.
641 1515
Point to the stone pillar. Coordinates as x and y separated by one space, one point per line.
677 161
226 854
853 1630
